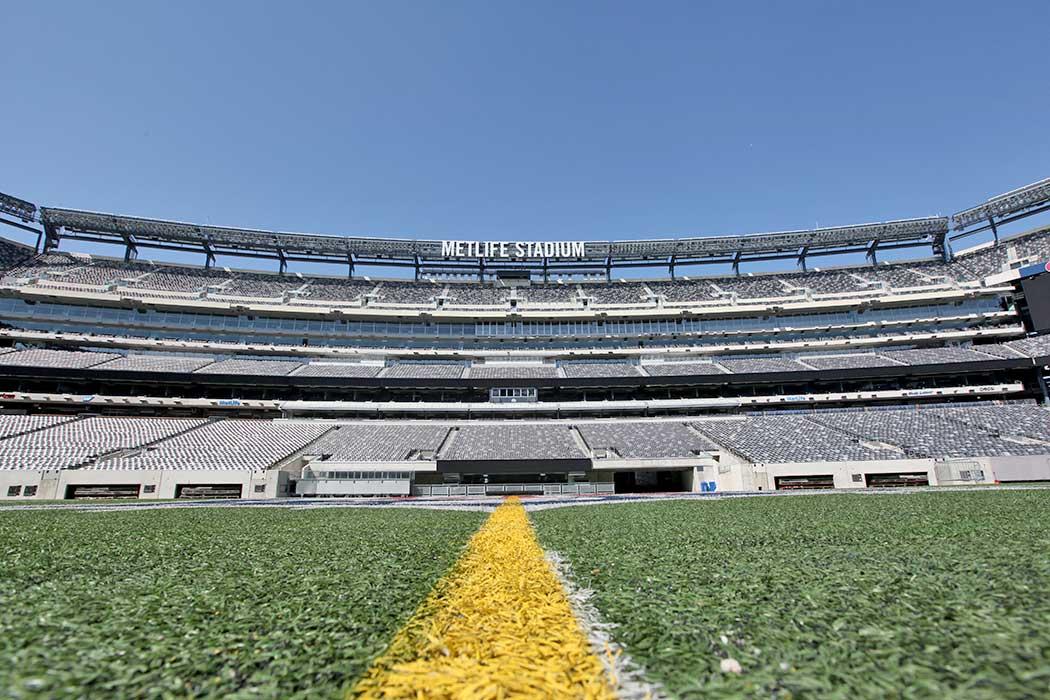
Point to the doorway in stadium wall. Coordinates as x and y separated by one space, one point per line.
663 480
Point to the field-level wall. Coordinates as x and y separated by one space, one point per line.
148 484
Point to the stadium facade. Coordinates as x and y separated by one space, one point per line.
521 366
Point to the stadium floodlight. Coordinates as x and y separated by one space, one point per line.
1014 202
26 211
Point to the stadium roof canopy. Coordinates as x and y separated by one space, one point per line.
1015 204
13 206
428 255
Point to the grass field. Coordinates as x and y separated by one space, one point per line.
922 595
211 602
925 595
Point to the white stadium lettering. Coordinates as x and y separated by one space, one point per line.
515 249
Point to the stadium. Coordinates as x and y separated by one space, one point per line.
505 368
524 351
527 469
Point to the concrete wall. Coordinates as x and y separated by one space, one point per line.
52 485
842 472
729 472
46 483
1007 469
354 487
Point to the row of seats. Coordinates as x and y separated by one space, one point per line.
380 441
877 434
126 443
739 364
12 425
73 443
788 438
11 254
926 434
664 440
60 268
226 444
514 441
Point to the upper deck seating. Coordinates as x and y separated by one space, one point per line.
41 265
12 254
182 279
755 287
262 285
419 293
680 291
615 293
538 294
158 279
323 289
467 294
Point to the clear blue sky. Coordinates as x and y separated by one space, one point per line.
524 120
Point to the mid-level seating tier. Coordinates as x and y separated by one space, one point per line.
741 363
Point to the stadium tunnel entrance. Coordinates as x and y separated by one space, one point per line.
546 476
653 481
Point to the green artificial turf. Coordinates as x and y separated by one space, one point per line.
926 595
268 603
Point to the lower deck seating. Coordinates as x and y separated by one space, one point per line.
225 444
512 441
380 441
43 442
78 442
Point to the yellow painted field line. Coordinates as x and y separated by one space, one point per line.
498 626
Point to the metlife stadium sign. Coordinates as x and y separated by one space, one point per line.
512 249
